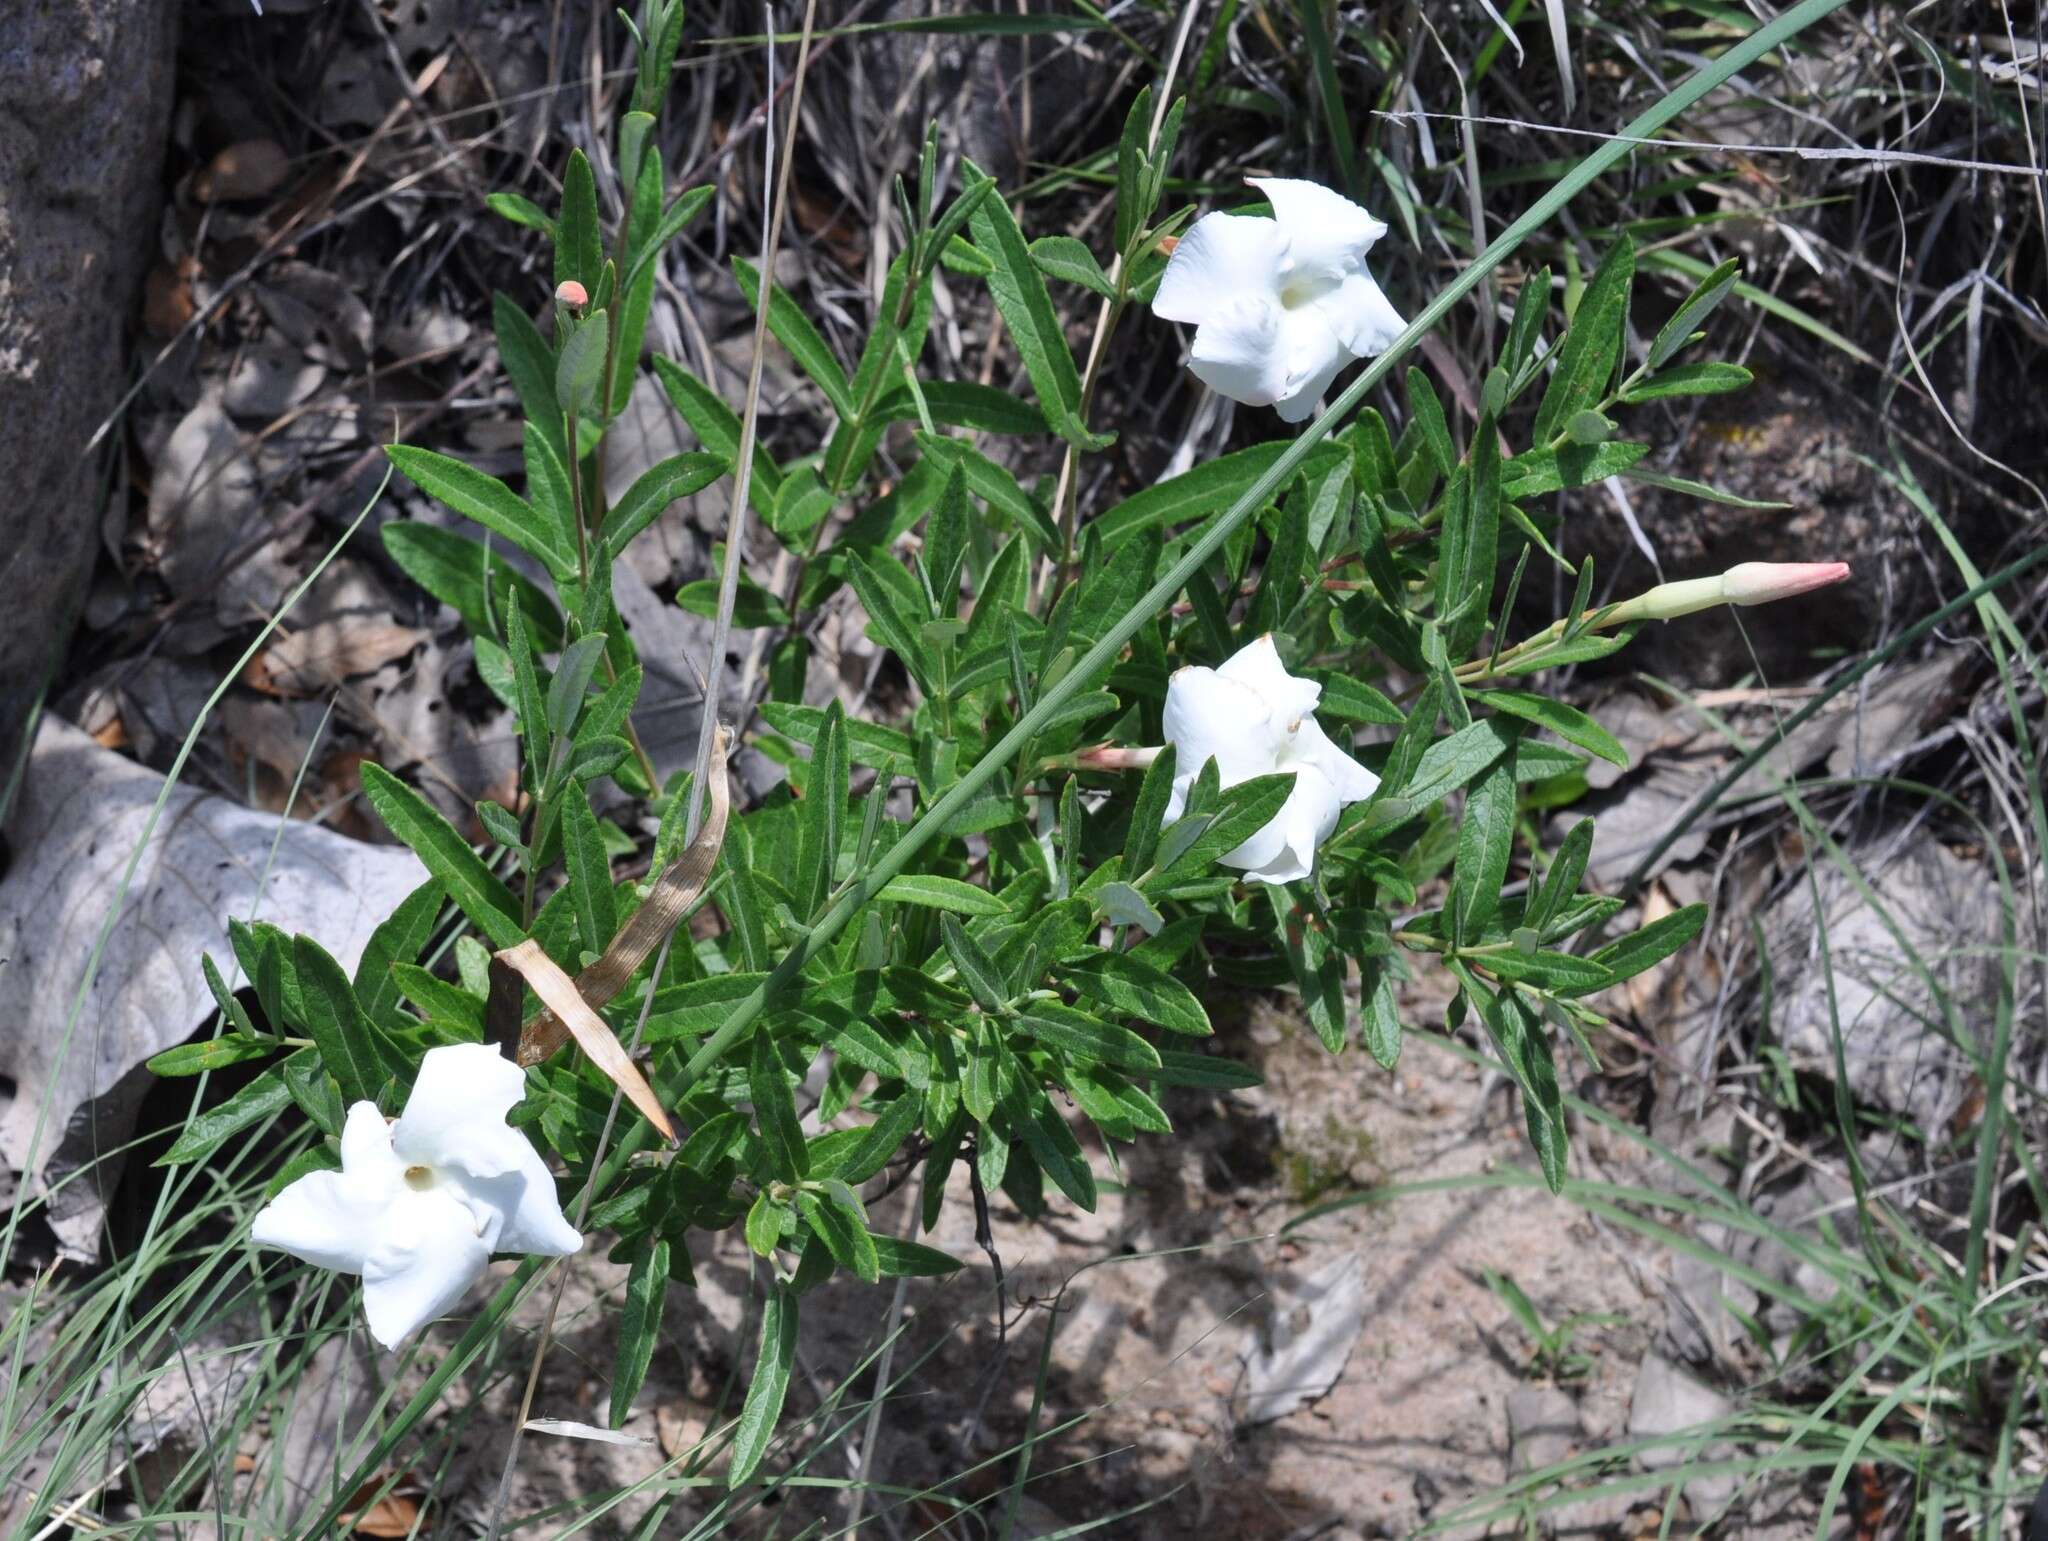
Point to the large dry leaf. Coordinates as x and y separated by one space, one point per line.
675 890
80 814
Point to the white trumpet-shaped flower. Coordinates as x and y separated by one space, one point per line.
421 1202
1279 305
1255 719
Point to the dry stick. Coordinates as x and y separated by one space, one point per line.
708 736
1063 489
743 467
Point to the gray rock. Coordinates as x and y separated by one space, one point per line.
1678 1411
1543 1427
76 1056
1943 908
86 85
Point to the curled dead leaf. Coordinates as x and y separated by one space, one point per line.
592 1033
678 886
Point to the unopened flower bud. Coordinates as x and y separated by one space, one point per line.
1746 583
570 292
1758 583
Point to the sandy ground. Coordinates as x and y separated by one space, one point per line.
1149 1355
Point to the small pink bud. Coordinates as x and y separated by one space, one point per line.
1115 757
1758 583
570 292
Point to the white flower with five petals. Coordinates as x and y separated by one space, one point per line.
1255 719
421 1203
1279 305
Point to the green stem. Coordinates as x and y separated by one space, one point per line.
1098 657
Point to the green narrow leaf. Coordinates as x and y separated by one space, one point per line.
718 430
579 245
1690 380
1064 258
209 1054
937 893
262 1098
579 371
1567 722
1653 943
639 1327
842 1230
983 979
488 501
897 1258
1148 812
1687 319
237 1015
1486 839
530 363
765 1392
775 1106
653 491
590 872
1136 989
636 286
793 329
476 890
1567 866
1019 293
349 1046
470 579
401 938
1585 360
824 809
1084 1038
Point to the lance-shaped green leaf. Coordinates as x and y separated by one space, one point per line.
265 1097
718 430
401 938
775 1106
1585 361
1084 1037
653 491
838 1222
489 502
353 1051
639 1327
1123 984
1486 840
765 1392
932 892
824 810
579 244
476 890
793 329
977 971
1567 722
1687 319
1019 291
470 578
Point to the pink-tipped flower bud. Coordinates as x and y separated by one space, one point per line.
1758 583
1746 583
570 292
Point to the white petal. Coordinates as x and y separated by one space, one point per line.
455 1117
1210 716
427 1258
1240 352
1360 315
1224 258
1284 851
1352 782
1314 355
517 1210
334 1219
1327 234
1257 664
